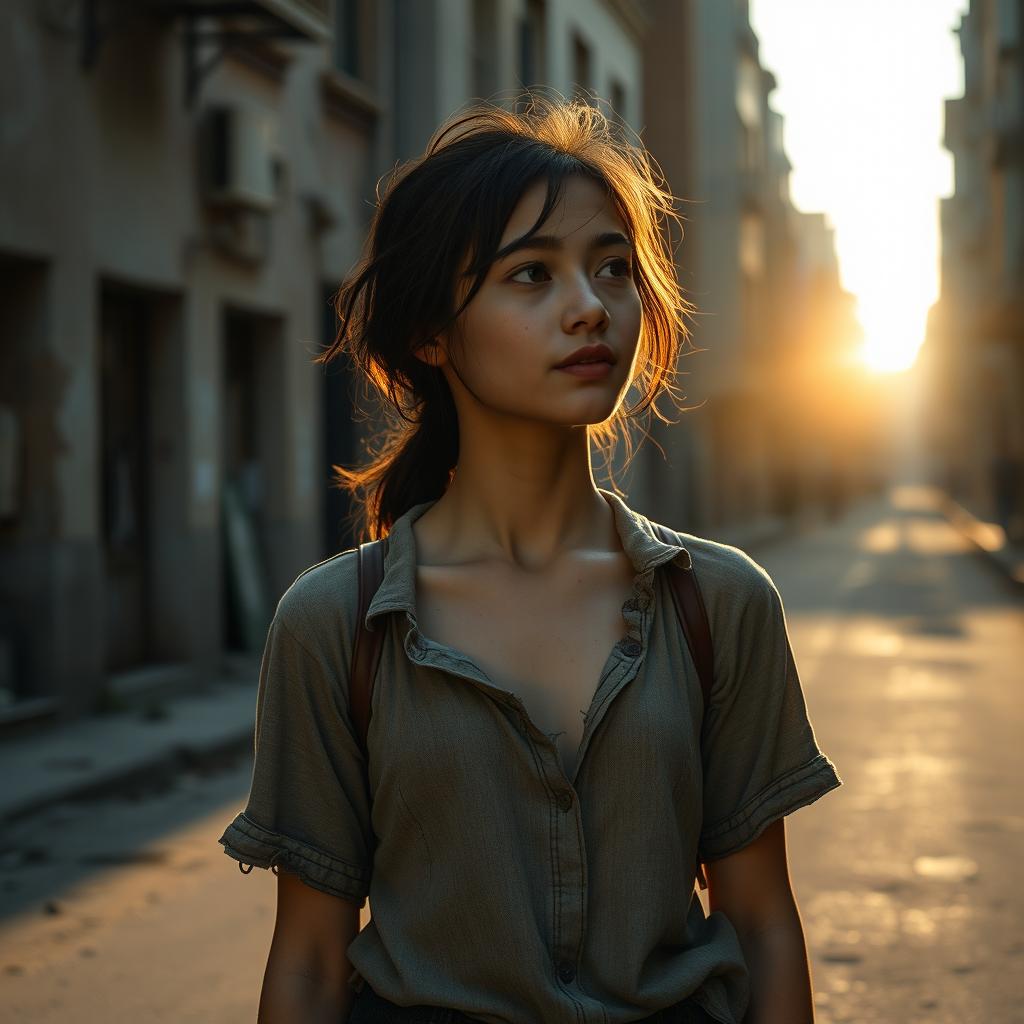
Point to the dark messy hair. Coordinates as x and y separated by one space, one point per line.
450 206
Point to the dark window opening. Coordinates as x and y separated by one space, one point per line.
532 44
581 69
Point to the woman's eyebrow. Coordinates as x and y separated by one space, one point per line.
602 241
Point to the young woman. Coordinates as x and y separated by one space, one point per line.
542 772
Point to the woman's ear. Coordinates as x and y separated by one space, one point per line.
432 353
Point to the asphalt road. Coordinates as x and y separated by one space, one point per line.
907 877
910 650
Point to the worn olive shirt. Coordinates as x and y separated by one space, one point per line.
498 886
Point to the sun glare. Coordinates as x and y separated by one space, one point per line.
893 326
865 145
888 352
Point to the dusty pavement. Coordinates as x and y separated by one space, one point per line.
910 649
908 877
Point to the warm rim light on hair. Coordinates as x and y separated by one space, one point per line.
435 233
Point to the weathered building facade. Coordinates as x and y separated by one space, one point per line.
180 194
974 354
745 263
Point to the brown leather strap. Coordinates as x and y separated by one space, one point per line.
693 615
366 650
367 645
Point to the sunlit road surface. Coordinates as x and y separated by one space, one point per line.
130 912
908 877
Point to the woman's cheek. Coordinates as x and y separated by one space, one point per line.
633 309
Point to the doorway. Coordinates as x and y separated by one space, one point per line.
253 383
125 485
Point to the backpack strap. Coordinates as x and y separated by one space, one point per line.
368 642
367 647
692 614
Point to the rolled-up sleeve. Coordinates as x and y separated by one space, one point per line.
761 759
308 808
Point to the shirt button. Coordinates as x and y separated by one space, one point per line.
632 648
565 801
566 971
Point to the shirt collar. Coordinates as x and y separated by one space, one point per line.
397 591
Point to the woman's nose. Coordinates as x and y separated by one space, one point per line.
584 310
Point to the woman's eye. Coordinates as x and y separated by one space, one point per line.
620 266
533 268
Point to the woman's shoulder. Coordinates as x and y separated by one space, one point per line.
723 562
728 576
323 601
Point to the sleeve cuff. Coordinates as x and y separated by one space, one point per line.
797 788
249 843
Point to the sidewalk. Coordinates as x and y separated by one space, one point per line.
988 538
111 753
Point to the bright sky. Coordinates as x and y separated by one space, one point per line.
861 85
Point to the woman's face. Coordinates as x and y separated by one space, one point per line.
568 286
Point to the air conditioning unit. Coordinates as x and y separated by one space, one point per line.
239 157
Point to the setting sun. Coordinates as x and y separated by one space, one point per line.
893 330
890 354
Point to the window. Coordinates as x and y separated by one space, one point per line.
581 68
532 44
748 98
346 36
617 93
751 147
485 48
353 38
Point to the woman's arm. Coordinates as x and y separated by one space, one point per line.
307 970
752 888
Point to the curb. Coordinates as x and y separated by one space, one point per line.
988 540
144 775
103 756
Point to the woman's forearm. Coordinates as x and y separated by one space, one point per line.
288 996
780 977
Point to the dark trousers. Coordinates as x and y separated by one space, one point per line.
370 1008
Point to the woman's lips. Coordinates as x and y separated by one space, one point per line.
589 371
